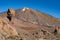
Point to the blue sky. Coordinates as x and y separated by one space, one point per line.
51 7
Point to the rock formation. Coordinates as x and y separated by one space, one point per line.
11 14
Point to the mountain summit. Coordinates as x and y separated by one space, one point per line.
24 9
28 24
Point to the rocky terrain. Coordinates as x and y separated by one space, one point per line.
28 24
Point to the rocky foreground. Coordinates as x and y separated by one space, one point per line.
28 24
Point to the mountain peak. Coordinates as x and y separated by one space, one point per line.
25 8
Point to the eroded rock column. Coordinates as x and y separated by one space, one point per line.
11 14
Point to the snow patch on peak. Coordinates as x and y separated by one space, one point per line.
25 9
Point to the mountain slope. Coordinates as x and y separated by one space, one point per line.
30 24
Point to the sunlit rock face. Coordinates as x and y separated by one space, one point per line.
6 30
11 11
28 24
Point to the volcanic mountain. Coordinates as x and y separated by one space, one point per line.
28 24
